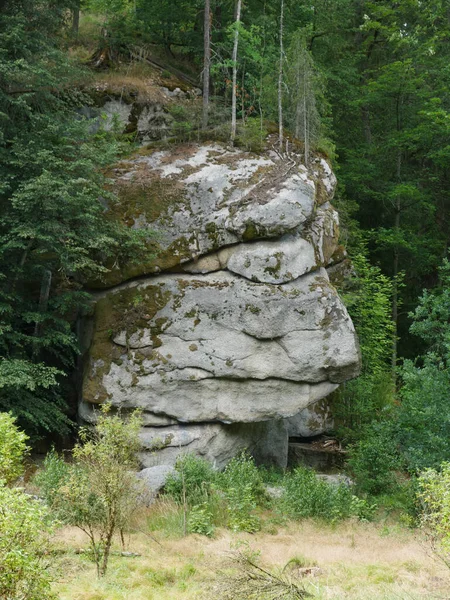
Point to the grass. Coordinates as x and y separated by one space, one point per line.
357 561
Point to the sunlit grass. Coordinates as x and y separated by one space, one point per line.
356 561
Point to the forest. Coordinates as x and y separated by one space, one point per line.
363 84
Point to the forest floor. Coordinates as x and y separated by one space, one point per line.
354 560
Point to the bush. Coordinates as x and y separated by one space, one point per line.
200 520
243 487
54 474
12 448
306 496
374 459
98 492
434 496
23 541
251 136
192 481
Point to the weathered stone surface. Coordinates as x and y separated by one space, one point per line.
313 420
276 261
216 442
244 329
154 479
212 343
201 198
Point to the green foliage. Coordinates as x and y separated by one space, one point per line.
13 448
374 459
434 496
242 484
23 542
200 520
370 397
54 235
98 492
192 481
54 474
306 496
252 136
368 299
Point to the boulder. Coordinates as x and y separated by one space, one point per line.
232 327
316 419
154 479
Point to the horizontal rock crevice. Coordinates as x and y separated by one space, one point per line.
233 321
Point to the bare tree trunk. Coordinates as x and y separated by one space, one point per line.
280 81
305 122
395 274
76 19
234 84
206 62
46 283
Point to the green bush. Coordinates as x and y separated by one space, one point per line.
23 541
241 471
12 448
306 496
54 474
98 492
191 483
243 488
252 136
434 496
200 520
374 459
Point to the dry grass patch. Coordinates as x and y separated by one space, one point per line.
357 561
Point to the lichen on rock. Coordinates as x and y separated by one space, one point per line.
234 322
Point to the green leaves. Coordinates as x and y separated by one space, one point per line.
54 231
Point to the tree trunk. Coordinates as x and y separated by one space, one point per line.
206 62
395 273
46 283
234 84
76 19
305 121
280 81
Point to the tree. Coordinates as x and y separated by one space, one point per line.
303 84
235 68
280 80
206 62
434 496
53 232
24 525
98 492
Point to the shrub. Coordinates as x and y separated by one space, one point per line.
200 520
434 496
373 460
99 492
251 136
192 481
12 448
51 478
306 496
243 487
23 540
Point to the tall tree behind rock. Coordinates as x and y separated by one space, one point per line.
234 58
206 62
280 79
303 87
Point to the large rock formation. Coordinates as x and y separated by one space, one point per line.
232 327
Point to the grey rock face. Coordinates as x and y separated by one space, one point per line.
249 331
154 479
216 442
313 420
